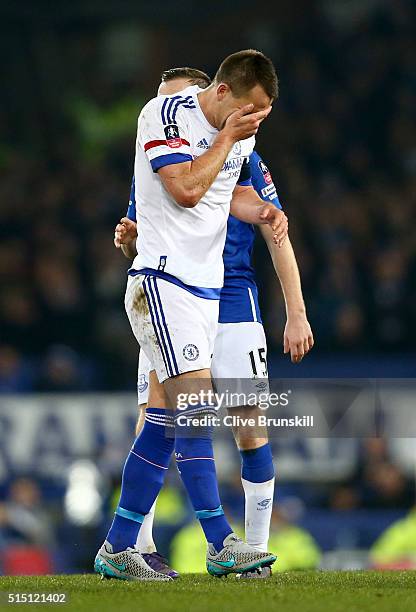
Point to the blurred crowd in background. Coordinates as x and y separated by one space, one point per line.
340 144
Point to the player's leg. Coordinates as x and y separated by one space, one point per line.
239 361
149 392
257 477
194 451
145 466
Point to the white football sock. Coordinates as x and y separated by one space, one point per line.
145 543
259 506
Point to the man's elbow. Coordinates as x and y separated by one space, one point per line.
187 198
182 190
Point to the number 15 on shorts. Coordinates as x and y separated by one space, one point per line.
258 362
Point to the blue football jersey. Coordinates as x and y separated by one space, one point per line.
239 295
131 211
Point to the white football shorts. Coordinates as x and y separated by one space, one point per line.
175 328
239 362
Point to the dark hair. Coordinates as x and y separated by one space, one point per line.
197 77
244 70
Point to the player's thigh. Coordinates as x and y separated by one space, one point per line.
137 310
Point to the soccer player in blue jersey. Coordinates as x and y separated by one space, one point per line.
240 348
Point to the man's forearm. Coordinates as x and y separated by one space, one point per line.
205 168
188 183
246 205
284 262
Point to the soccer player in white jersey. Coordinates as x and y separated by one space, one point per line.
240 348
183 200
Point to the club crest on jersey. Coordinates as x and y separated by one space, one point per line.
190 352
265 172
142 383
237 148
173 140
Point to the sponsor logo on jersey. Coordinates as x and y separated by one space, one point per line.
237 148
265 172
269 192
190 352
142 383
203 144
173 140
232 164
264 503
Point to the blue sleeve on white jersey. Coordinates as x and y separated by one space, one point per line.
262 180
131 211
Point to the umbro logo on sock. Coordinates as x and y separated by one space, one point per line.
203 144
264 503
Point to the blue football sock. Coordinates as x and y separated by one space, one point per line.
257 464
143 476
195 459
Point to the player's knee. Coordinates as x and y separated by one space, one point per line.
196 421
139 427
157 397
249 432
140 418
247 442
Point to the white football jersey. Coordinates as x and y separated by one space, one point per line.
186 243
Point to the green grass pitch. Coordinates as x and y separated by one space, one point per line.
358 591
